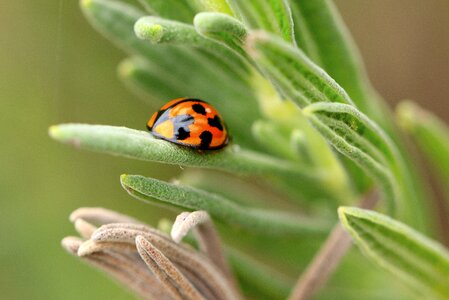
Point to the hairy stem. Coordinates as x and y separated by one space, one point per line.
327 259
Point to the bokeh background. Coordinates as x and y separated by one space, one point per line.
55 68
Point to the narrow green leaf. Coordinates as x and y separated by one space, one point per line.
373 150
272 16
142 145
430 133
419 262
222 28
358 128
255 220
292 72
322 35
361 140
162 31
180 10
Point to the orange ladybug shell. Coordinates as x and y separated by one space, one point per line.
189 122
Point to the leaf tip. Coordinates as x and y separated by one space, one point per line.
146 30
71 244
342 213
126 184
54 132
62 133
201 21
123 178
345 213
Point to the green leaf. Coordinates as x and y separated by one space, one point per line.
272 16
292 72
357 137
142 145
322 35
162 31
419 262
222 28
180 10
255 220
431 134
361 140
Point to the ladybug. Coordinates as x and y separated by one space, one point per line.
189 122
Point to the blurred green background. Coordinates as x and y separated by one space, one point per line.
55 68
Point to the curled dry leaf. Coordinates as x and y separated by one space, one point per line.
146 260
173 280
85 229
208 239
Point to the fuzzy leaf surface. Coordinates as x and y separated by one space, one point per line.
142 145
322 35
357 137
417 261
269 15
162 31
222 28
292 72
255 220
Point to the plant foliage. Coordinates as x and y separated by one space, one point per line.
306 125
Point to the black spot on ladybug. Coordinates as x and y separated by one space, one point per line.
181 126
206 139
198 108
182 134
215 122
